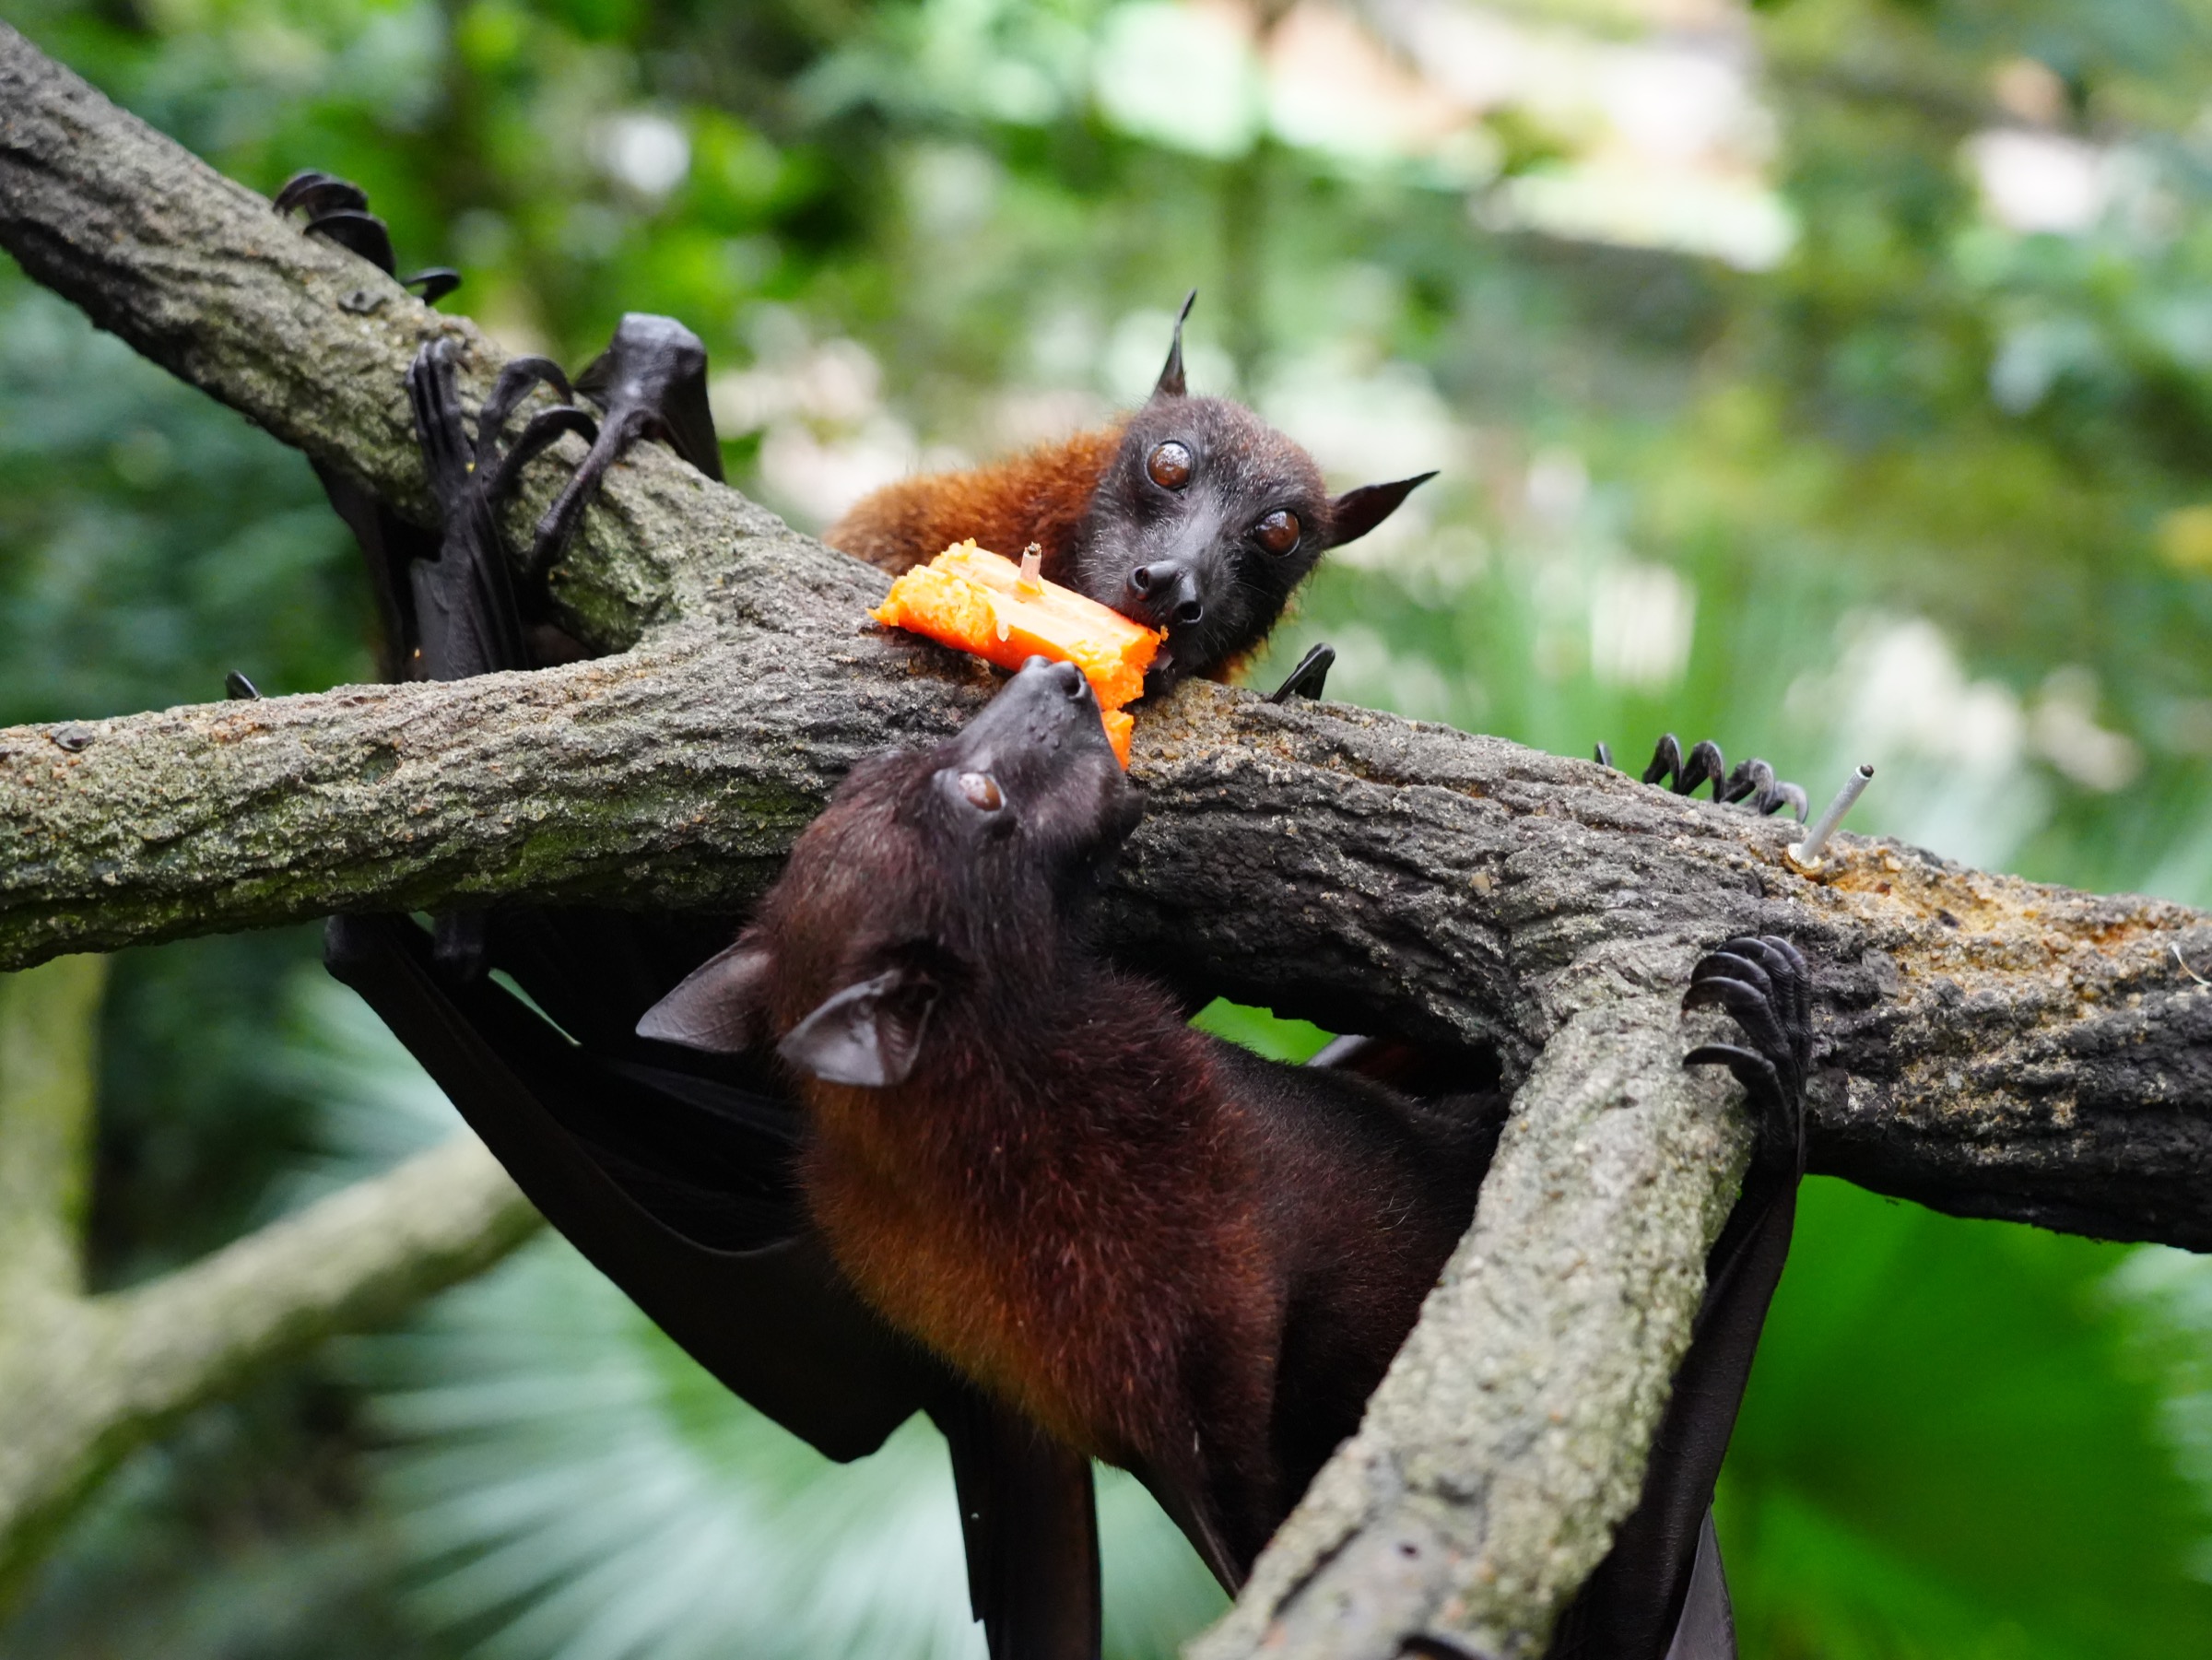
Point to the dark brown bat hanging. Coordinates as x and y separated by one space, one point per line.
676 1181
1171 1255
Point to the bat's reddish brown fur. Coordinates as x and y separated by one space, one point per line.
1190 515
1039 496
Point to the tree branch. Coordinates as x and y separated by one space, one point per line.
1998 1048
49 1019
1511 1431
85 1380
2001 1048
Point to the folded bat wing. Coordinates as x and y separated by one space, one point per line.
679 1188
725 1268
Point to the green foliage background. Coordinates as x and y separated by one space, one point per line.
1933 490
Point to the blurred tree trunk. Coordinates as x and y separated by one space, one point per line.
85 1379
1997 1048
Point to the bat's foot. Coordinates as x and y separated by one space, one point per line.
1308 678
1753 781
652 382
339 210
477 475
464 604
1762 980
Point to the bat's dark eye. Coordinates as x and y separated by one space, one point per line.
982 791
1169 466
1279 532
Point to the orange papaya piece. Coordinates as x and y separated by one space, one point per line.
976 601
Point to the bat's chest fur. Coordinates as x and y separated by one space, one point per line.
1091 1281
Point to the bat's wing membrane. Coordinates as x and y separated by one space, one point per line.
728 1271
1030 1526
676 1183
679 1188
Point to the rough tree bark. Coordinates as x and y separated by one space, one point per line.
1995 1047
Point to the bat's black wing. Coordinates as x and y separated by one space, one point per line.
1030 1525
657 368
679 1188
676 1188
652 382
1661 1591
675 1177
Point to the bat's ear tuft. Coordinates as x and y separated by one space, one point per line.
721 1006
868 1034
1170 383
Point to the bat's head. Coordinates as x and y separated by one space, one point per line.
1207 518
957 873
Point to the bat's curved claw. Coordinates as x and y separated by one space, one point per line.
1752 783
1753 778
1722 967
1705 764
516 378
320 193
546 428
1686 772
360 233
1762 980
338 209
1308 678
432 283
1604 754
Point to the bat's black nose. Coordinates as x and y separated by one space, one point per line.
1170 588
1047 677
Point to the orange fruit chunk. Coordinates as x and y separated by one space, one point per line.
975 601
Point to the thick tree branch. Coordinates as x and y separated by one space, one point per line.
1481 1489
49 1022
1998 1048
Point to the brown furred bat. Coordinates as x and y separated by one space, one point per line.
1172 1254
1191 514
1158 1246
1169 1253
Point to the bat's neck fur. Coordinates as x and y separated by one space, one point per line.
1050 1200
1039 496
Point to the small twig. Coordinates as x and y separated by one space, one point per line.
1806 854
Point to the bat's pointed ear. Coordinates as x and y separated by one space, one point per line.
721 1006
867 1035
1170 377
1354 513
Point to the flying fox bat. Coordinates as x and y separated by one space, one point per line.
1171 1255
